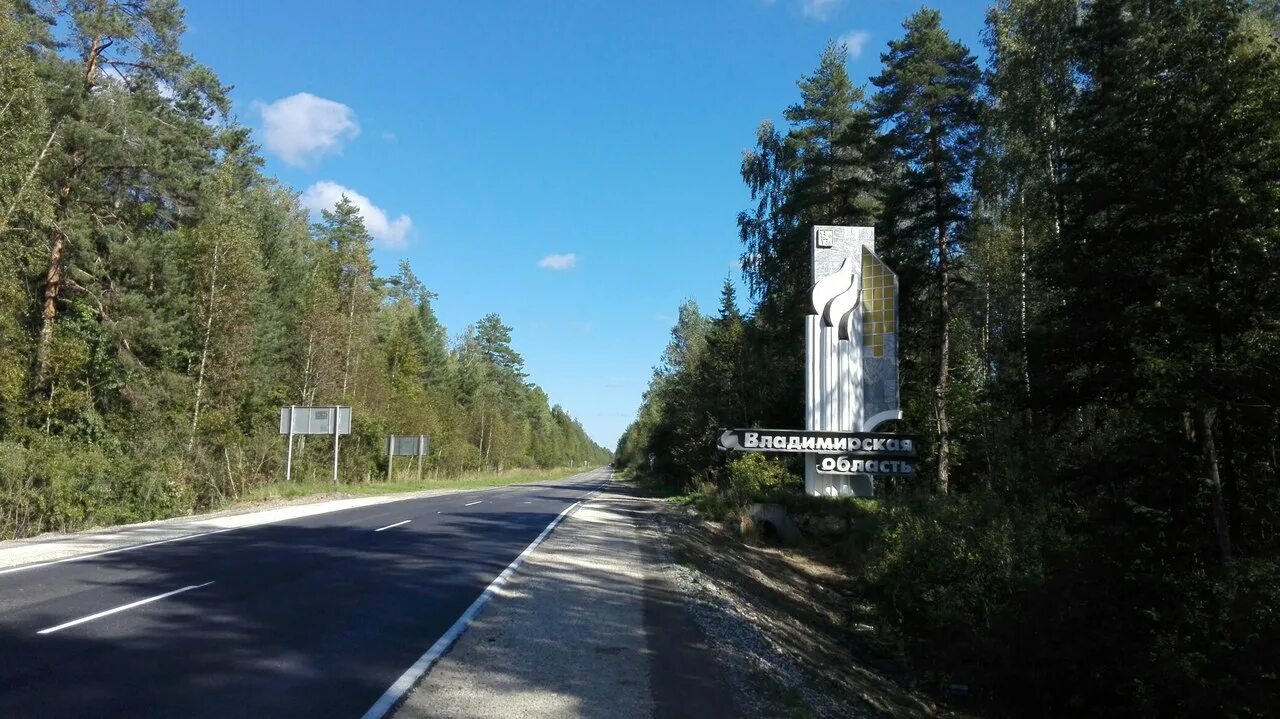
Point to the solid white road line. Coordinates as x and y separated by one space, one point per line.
129 548
468 504
131 605
397 524
396 691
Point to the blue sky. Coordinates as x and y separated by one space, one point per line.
572 166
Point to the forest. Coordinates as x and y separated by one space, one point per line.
1086 228
161 298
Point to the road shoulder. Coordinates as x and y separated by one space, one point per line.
590 627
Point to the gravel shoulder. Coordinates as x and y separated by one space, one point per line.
590 626
635 607
782 623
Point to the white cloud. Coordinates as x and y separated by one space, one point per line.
819 10
391 233
854 42
302 128
558 262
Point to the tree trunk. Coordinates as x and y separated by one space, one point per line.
1205 417
351 333
944 318
53 276
22 189
944 361
1022 296
986 331
1231 483
52 285
307 384
1051 156
488 444
204 347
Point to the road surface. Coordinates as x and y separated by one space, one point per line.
311 617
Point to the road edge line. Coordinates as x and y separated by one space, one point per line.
117 550
397 691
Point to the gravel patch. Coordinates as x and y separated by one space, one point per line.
770 646
734 630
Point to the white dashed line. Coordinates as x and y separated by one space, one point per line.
389 526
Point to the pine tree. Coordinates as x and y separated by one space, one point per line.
820 171
927 107
126 156
25 143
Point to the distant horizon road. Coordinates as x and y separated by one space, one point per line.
310 617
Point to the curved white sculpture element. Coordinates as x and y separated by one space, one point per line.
875 420
841 308
829 287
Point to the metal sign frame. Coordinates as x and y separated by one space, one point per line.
421 447
336 420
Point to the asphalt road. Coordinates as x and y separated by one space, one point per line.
312 617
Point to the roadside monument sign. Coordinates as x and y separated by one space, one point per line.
851 453
333 421
851 371
407 445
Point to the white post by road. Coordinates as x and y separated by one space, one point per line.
391 454
335 446
288 461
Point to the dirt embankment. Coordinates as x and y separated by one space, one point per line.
786 626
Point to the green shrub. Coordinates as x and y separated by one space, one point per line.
750 478
55 486
949 568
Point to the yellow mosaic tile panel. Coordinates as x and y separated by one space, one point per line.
878 308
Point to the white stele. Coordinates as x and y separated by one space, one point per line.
835 361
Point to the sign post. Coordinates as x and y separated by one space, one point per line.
288 461
335 446
407 445
334 420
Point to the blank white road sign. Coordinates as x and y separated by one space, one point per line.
408 445
315 420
